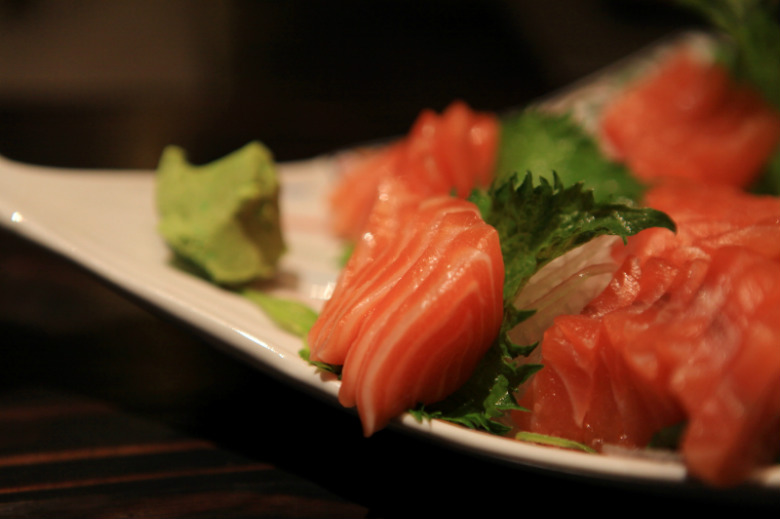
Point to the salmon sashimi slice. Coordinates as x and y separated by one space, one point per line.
705 352
690 119
415 309
708 217
688 331
732 396
454 151
586 391
359 285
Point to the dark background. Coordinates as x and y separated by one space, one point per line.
107 84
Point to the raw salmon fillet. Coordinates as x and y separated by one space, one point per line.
688 331
690 120
416 307
708 217
454 151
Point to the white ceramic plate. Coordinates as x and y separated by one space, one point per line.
106 221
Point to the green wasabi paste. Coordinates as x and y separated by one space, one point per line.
222 217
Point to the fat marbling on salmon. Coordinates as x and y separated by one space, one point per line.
418 304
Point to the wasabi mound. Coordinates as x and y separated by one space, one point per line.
222 217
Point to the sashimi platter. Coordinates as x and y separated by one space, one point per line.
588 284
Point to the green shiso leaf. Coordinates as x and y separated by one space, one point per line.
487 395
223 217
292 316
536 223
541 142
553 441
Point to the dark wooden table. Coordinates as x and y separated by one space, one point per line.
109 410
